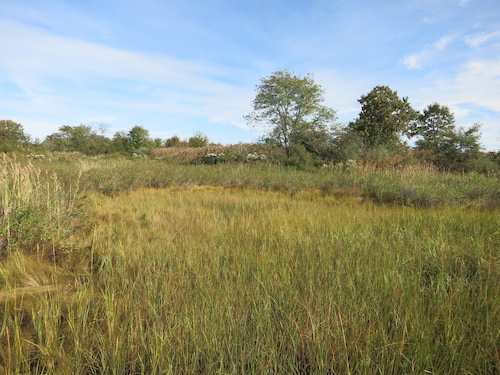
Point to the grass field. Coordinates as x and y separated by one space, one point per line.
197 279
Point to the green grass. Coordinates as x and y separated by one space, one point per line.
211 280
416 186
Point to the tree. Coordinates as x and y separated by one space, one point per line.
198 140
12 131
173 141
291 107
81 138
434 125
157 142
459 146
119 143
383 117
138 137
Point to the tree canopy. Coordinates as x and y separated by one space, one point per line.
437 133
291 107
383 118
81 138
434 125
12 131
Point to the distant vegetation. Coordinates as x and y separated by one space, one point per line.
291 108
319 250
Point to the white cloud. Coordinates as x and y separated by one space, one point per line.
417 60
69 78
478 39
477 84
414 61
442 43
473 95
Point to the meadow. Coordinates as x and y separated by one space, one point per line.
152 267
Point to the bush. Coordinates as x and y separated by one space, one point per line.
301 158
481 164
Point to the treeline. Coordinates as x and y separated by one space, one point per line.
292 109
304 132
90 140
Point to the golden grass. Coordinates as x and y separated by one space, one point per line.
210 280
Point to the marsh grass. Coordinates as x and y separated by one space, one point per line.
410 185
35 210
210 280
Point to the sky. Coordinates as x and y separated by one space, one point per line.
177 67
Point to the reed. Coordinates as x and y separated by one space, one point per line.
36 209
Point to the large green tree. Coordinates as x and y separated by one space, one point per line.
291 107
384 117
12 131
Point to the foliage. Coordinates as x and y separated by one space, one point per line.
383 117
81 138
173 142
433 126
451 147
12 131
12 136
120 143
158 142
303 159
198 140
461 144
136 140
138 137
291 107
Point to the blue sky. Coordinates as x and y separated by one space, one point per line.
181 66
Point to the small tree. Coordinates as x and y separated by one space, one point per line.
198 140
138 137
157 142
173 141
119 143
291 107
452 147
383 117
460 145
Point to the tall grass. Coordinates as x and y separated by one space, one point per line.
207 280
35 209
40 228
417 186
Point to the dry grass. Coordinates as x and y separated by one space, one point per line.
190 154
207 280
302 274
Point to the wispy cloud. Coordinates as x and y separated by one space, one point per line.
417 60
464 3
442 43
63 75
477 40
472 94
